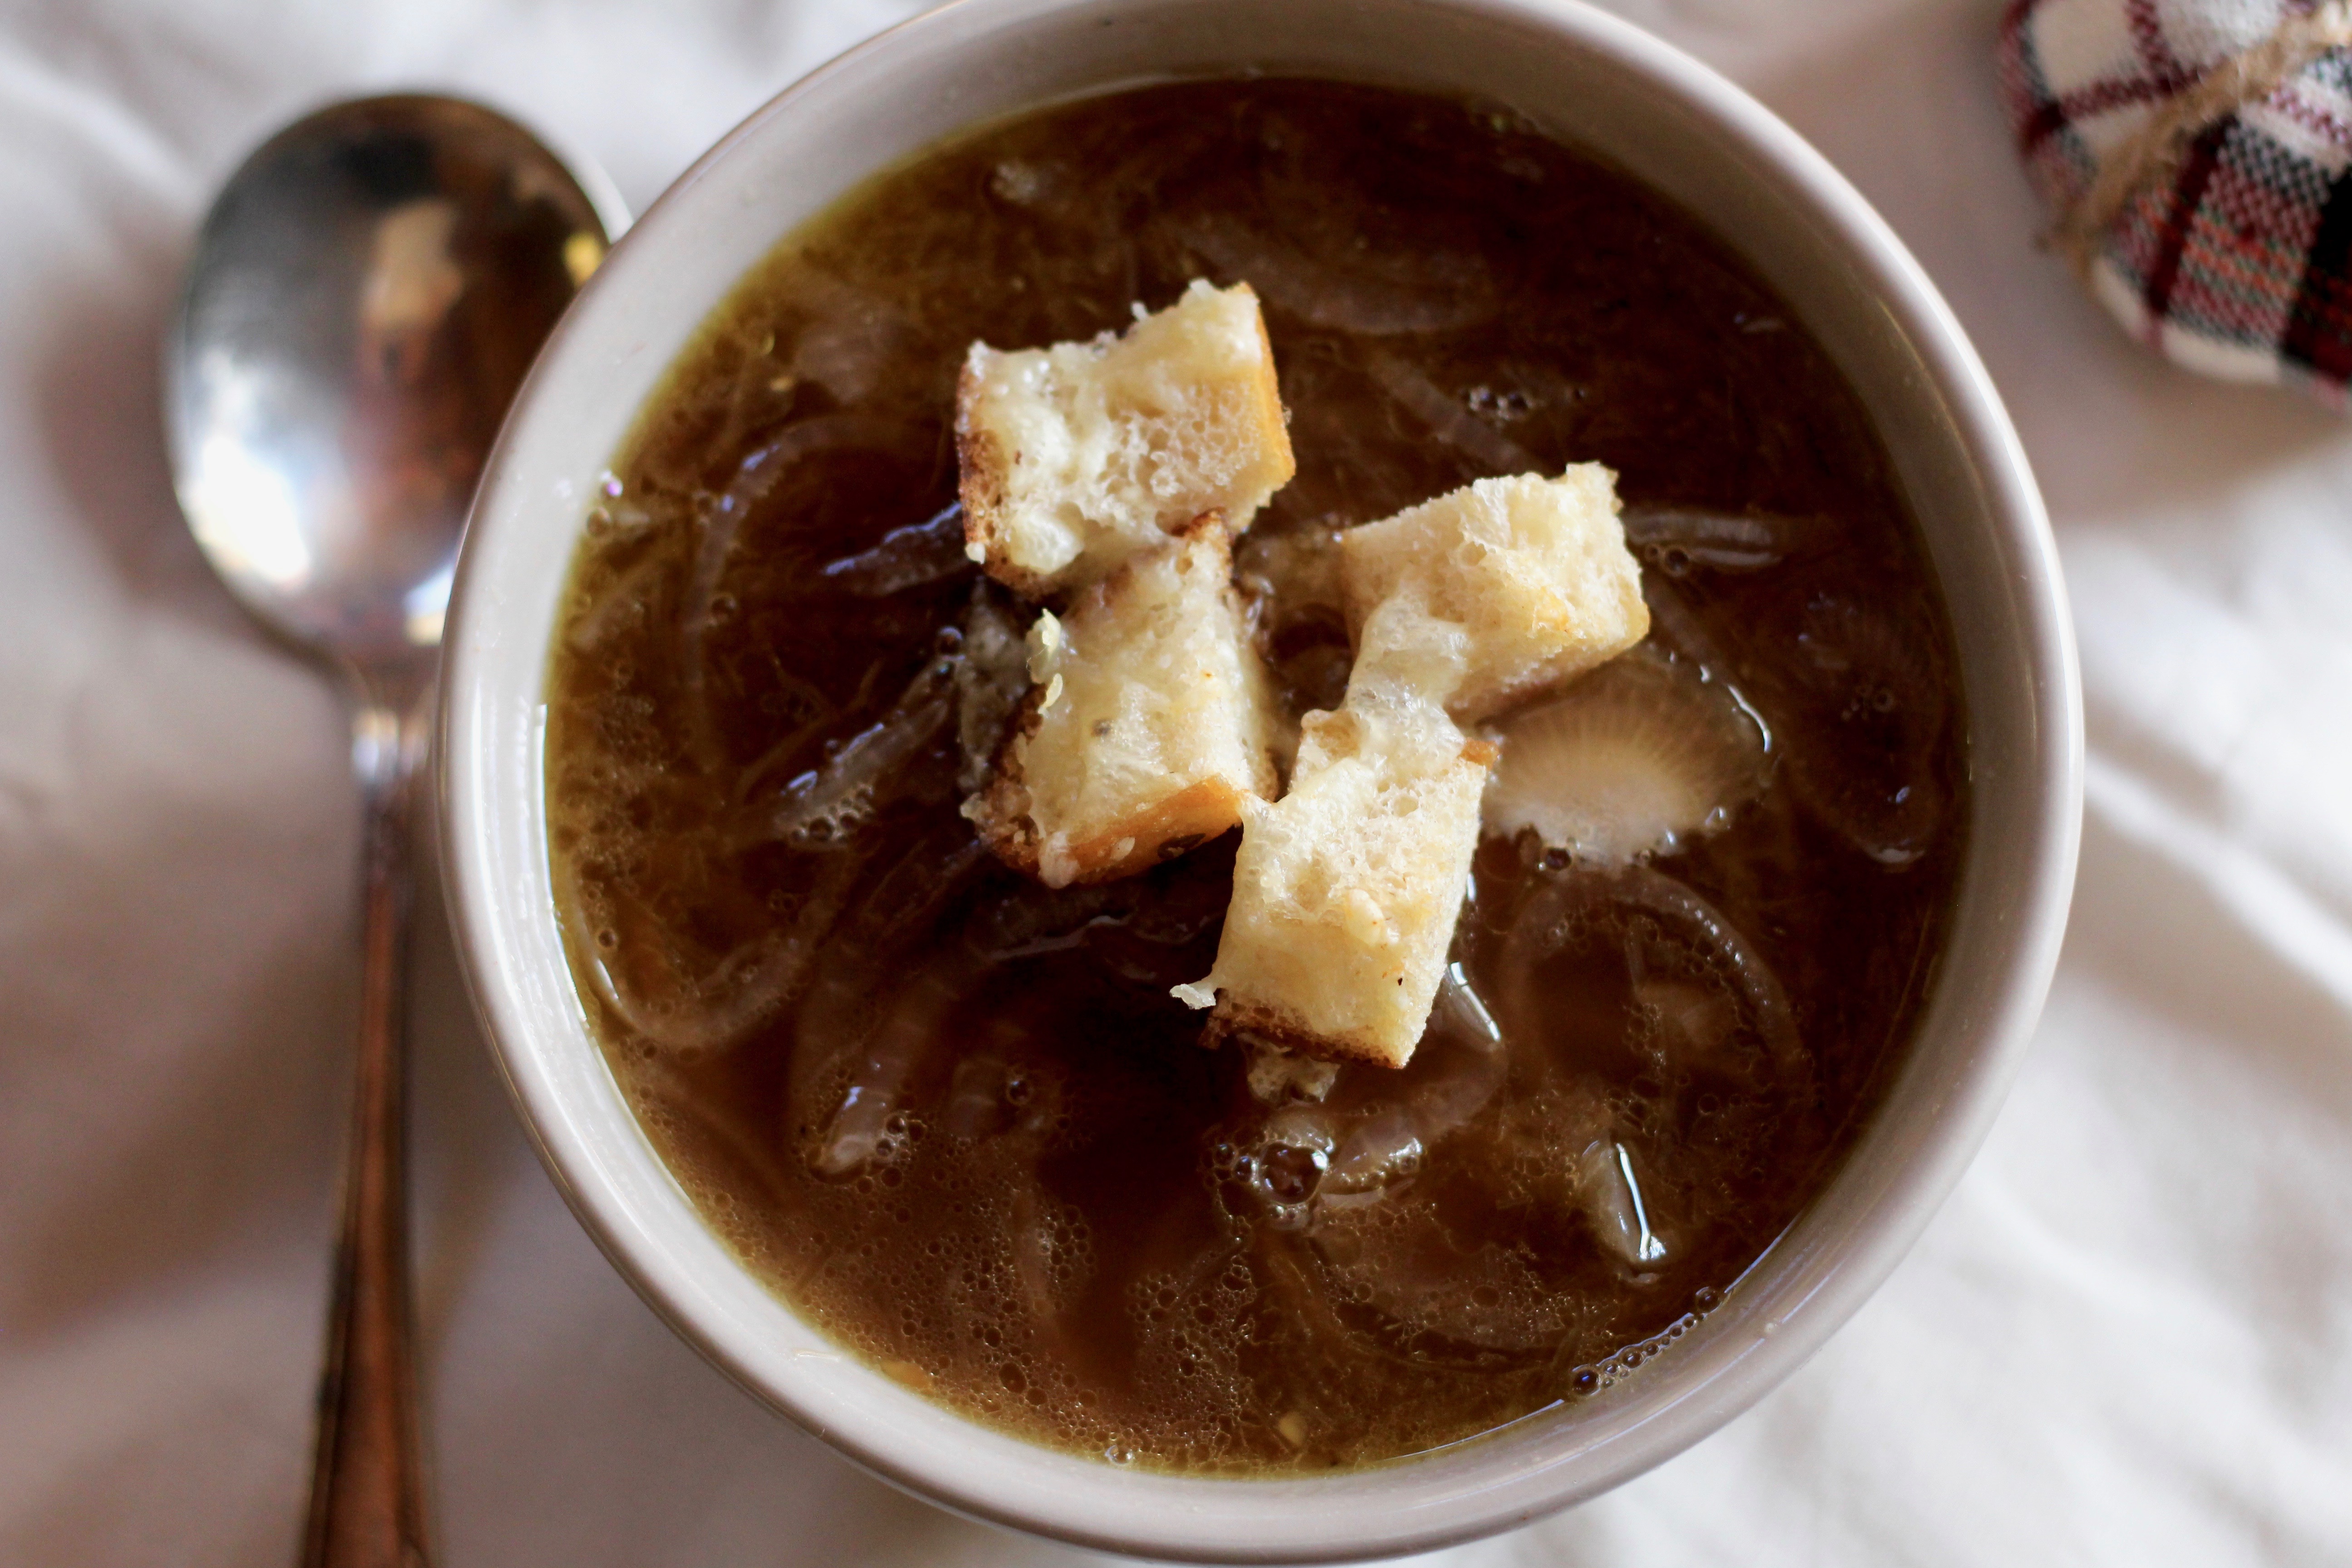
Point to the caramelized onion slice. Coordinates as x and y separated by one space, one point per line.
1564 912
868 1034
825 808
1677 539
1614 1202
914 557
1636 758
990 678
676 1009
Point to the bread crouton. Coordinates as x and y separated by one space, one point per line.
1346 891
1148 726
1076 457
1533 569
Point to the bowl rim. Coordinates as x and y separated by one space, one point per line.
1143 1514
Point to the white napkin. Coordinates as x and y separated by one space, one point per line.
2127 1340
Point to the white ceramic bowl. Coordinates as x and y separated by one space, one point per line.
1598 82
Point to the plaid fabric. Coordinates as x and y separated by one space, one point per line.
2240 265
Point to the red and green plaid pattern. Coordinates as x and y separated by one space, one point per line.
2240 264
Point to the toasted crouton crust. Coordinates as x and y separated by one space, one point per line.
983 467
1073 458
1149 725
1535 571
1239 1018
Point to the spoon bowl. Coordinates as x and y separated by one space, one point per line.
365 297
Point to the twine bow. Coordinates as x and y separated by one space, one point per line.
2152 154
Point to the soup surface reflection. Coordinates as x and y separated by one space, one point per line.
954 1118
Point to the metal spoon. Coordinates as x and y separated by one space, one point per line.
364 298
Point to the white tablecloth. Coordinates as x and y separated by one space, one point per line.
2127 1339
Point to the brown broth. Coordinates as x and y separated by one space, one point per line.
954 1118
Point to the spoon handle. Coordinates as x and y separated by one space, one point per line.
367 1494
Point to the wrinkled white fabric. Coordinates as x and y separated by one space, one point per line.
2127 1340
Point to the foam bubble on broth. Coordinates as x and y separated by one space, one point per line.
951 1115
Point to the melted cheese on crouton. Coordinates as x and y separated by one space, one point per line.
1535 571
1076 457
1148 726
